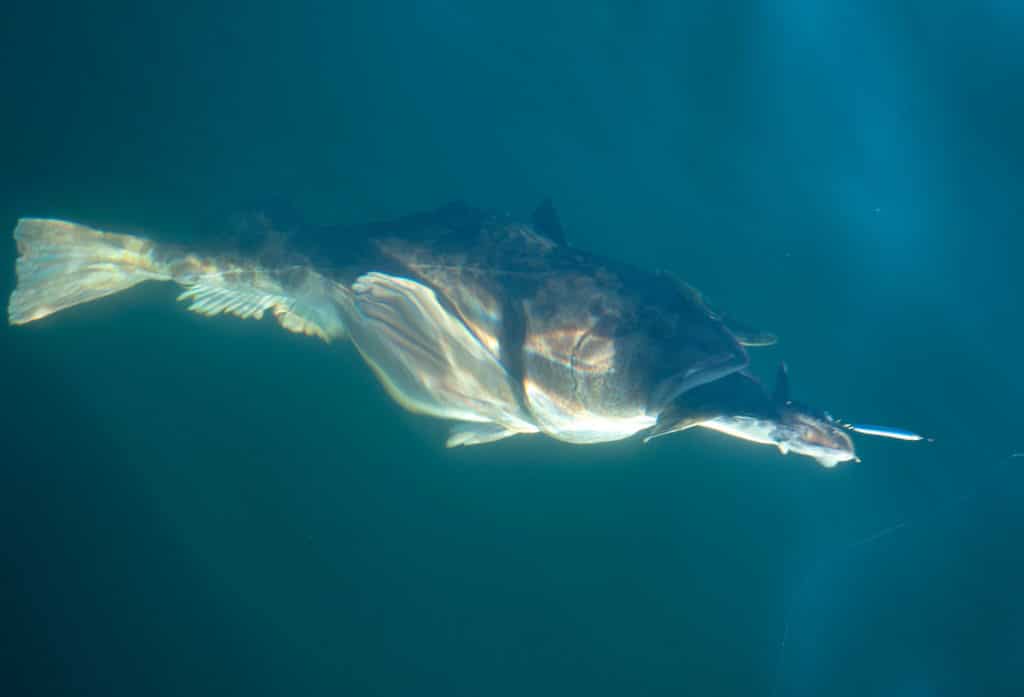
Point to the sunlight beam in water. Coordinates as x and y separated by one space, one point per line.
821 568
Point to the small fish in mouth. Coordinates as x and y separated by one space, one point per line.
740 407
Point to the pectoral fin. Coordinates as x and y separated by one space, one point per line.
426 357
477 434
673 421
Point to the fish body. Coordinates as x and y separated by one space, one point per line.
463 315
491 322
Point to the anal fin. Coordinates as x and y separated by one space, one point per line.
301 300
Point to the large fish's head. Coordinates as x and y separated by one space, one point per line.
685 344
607 347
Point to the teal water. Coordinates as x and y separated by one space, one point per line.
194 507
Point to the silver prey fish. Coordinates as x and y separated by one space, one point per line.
494 323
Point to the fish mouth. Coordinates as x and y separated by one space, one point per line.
708 370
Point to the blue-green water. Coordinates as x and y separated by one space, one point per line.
194 507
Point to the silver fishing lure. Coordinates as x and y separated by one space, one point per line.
886 432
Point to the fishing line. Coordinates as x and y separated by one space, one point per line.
846 551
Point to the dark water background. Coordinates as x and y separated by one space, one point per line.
193 507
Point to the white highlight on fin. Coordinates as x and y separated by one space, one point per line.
207 300
426 357
63 264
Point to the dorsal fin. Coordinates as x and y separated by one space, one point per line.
780 395
546 222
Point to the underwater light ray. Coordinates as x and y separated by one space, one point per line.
829 560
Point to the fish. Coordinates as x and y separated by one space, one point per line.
739 406
489 321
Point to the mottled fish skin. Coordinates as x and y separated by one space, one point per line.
595 348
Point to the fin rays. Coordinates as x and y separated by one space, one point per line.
63 264
211 301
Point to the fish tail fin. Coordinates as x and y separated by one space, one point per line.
62 264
